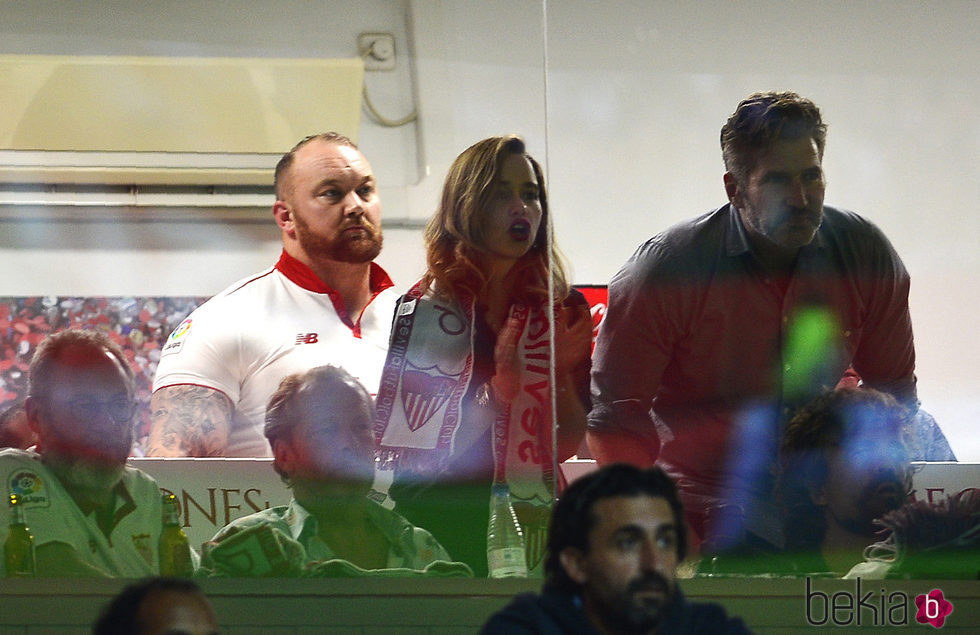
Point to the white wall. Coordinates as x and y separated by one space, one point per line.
626 118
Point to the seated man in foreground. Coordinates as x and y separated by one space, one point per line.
616 538
90 514
319 426
844 462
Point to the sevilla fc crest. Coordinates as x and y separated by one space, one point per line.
424 393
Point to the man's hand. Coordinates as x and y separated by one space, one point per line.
189 421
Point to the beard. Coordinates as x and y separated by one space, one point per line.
86 469
86 475
627 613
789 228
354 247
107 448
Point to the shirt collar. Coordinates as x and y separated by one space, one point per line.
300 521
302 275
736 238
123 505
396 530
121 500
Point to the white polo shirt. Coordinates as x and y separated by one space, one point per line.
284 320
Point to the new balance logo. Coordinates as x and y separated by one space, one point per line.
306 338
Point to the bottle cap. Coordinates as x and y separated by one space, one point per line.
500 489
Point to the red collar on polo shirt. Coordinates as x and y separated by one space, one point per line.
302 275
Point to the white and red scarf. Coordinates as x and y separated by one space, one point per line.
419 406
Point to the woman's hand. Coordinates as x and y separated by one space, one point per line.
573 345
506 381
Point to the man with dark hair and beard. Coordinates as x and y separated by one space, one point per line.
844 462
324 302
616 538
91 515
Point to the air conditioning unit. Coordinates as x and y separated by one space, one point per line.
98 130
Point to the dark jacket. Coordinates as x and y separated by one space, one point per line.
557 613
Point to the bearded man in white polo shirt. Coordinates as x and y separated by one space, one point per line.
324 302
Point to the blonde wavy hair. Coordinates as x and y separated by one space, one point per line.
454 234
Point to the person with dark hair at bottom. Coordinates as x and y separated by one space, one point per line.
616 538
158 606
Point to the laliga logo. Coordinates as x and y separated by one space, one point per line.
182 328
933 608
25 483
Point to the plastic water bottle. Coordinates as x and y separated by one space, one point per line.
505 540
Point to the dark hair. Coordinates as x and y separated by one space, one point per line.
53 346
120 616
9 438
282 167
819 425
331 383
454 234
761 119
937 540
572 518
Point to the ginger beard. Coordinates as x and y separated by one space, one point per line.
357 241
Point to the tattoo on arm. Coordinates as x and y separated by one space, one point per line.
189 421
